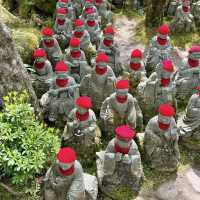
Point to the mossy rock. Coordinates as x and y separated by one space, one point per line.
26 40
47 6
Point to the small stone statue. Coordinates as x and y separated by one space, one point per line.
121 108
100 83
68 5
196 11
184 20
59 100
108 46
190 124
120 164
173 5
188 75
65 179
62 28
160 49
158 89
161 140
81 124
76 60
43 72
51 46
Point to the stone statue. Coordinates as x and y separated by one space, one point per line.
65 179
51 46
104 11
78 6
160 48
100 83
81 124
62 28
161 140
196 11
190 124
93 28
120 164
108 46
173 5
157 89
68 6
76 60
183 20
188 75
59 100
43 72
121 108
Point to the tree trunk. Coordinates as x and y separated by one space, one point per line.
13 75
154 12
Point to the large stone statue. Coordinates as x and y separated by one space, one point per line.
68 6
173 5
62 28
81 124
158 89
81 33
121 108
51 46
136 70
93 28
120 164
160 48
190 124
76 60
108 46
100 83
184 20
59 100
104 11
161 140
188 75
196 11
65 179
43 72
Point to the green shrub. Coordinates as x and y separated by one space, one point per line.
26 145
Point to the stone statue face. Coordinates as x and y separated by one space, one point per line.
164 119
101 64
195 55
122 93
60 16
166 74
80 29
47 38
63 5
135 60
61 75
40 59
123 142
91 17
65 166
82 110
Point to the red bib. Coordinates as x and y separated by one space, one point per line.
161 41
135 66
49 43
81 117
75 54
121 99
62 82
78 34
193 63
100 70
186 8
91 23
119 149
39 65
108 43
67 172
163 126
61 21
165 82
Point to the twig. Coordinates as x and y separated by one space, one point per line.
10 190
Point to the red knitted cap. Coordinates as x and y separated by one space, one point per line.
66 155
61 11
163 29
84 102
122 84
63 1
78 23
109 30
39 53
102 57
74 42
166 110
194 48
61 67
125 132
46 31
136 53
168 65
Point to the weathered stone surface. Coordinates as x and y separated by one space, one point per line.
13 75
